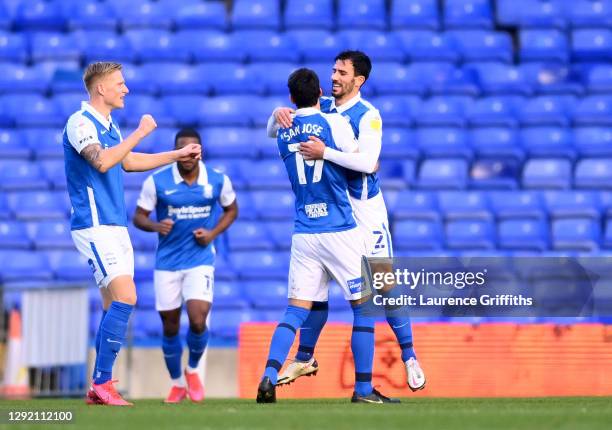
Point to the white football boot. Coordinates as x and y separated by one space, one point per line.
416 376
297 369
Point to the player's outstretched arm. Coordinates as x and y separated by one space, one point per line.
104 159
140 162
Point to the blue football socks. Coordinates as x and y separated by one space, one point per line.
112 335
173 351
196 342
362 345
311 329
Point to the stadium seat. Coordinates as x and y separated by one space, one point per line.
417 14
264 108
467 14
397 111
52 235
137 105
11 145
417 235
71 266
55 173
496 142
274 205
496 111
53 46
607 238
232 169
589 13
17 78
90 15
33 111
134 180
543 45
547 142
592 141
185 108
262 45
551 173
157 46
551 78
214 45
70 102
542 13
482 45
317 45
228 295
5 18
312 13
592 45
416 205
396 175
443 111
594 111
398 143
226 78
209 15
249 236
494 173
39 205
420 45
576 235
144 264
461 206
39 15
380 45
362 14
21 175
513 205
443 142
22 266
281 232
593 173
105 46
600 79
502 79
228 142
264 14
266 295
45 143
13 235
141 240
470 235
457 82
443 174
573 204
522 234
226 110
395 78
143 14
267 77
266 174
225 324
547 111
13 47
324 72
259 265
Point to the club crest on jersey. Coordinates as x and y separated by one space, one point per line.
208 191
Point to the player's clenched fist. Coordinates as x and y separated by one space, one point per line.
147 124
193 151
164 226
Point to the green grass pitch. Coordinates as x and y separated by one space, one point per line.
417 414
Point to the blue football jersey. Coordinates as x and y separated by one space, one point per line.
190 207
321 200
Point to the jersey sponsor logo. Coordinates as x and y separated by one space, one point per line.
208 191
316 210
355 285
189 212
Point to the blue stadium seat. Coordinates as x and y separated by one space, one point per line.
52 235
600 79
265 147
468 14
228 295
589 13
443 174
594 111
362 14
470 235
39 15
263 14
513 205
553 173
592 141
498 78
420 45
317 45
143 14
157 46
228 142
13 235
25 266
185 108
264 107
496 111
442 142
461 206
607 239
398 143
5 18
90 15
281 232
260 265
542 13
21 175
482 45
69 102
593 173
266 174
417 235
543 45
214 45
551 78
547 142
13 47
395 79
39 205
249 236
522 234
496 142
54 46
443 111
494 173
274 205
456 82
210 15
269 77
31 110
45 143
548 111
137 105
224 78
310 13
17 78
397 111
262 45
144 264
592 45
395 174
380 45
134 180
266 295
576 234
226 324
226 110
55 173
71 266
414 14
232 169
573 204
11 145
146 296
141 240
324 72
105 46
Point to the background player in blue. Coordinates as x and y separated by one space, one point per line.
326 241
95 155
350 72
184 196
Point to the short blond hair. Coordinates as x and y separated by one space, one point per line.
98 70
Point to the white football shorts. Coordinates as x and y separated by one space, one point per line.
174 287
108 250
371 217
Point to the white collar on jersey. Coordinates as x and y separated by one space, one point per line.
106 122
202 176
306 111
346 106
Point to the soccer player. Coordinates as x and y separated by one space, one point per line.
95 155
326 241
350 72
184 196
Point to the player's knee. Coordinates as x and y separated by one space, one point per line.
171 329
127 298
197 325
